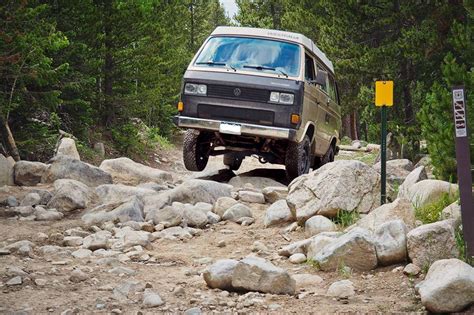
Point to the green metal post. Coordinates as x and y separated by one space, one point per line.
383 157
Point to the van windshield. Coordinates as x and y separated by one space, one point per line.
251 54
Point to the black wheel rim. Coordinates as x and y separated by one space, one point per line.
304 165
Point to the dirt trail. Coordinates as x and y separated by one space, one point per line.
176 266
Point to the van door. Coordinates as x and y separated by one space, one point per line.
311 105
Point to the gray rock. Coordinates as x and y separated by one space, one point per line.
411 270
307 281
151 299
193 311
219 274
257 274
253 181
44 194
23 247
417 175
63 167
194 217
448 286
70 195
127 289
127 172
222 204
391 242
10 201
452 212
24 211
169 216
251 197
429 191
400 209
294 248
273 194
191 191
431 242
341 289
172 233
77 275
236 212
97 240
134 238
355 249
73 241
277 214
318 242
117 193
67 147
320 192
31 199
42 214
130 210
318 224
28 173
14 281
213 218
100 149
6 171
297 258
397 170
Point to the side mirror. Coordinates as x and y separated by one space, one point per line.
321 78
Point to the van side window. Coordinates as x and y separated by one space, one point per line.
332 90
309 73
325 86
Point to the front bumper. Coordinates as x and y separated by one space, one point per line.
245 129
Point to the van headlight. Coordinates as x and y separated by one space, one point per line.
195 89
283 98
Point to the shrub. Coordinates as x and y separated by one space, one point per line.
432 212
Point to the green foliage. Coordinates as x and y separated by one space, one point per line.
127 139
432 212
313 263
343 270
346 218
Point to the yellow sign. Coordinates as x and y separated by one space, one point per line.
384 93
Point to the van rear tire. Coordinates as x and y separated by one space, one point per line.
196 149
298 158
232 161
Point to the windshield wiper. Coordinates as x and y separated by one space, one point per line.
283 72
212 63
259 67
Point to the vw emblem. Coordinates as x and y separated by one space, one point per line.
237 92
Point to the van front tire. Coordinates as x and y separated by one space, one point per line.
196 149
298 158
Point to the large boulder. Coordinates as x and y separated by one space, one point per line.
278 213
257 274
355 249
318 224
448 286
70 195
28 173
219 274
318 242
67 147
115 193
342 185
6 171
127 172
397 170
391 242
131 210
429 191
431 242
191 191
194 217
417 175
64 167
400 209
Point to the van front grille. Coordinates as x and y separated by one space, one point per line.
238 93
226 113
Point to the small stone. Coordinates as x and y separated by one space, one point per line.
77 275
14 281
297 258
341 289
72 241
41 282
152 299
193 311
221 243
251 197
82 253
411 270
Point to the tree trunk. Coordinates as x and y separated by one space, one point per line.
346 125
9 139
354 133
407 101
108 66
191 8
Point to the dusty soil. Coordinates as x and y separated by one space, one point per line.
175 270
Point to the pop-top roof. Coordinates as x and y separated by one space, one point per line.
289 36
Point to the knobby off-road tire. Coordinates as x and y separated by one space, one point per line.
232 161
196 148
298 158
329 156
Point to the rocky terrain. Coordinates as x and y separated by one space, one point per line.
123 237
